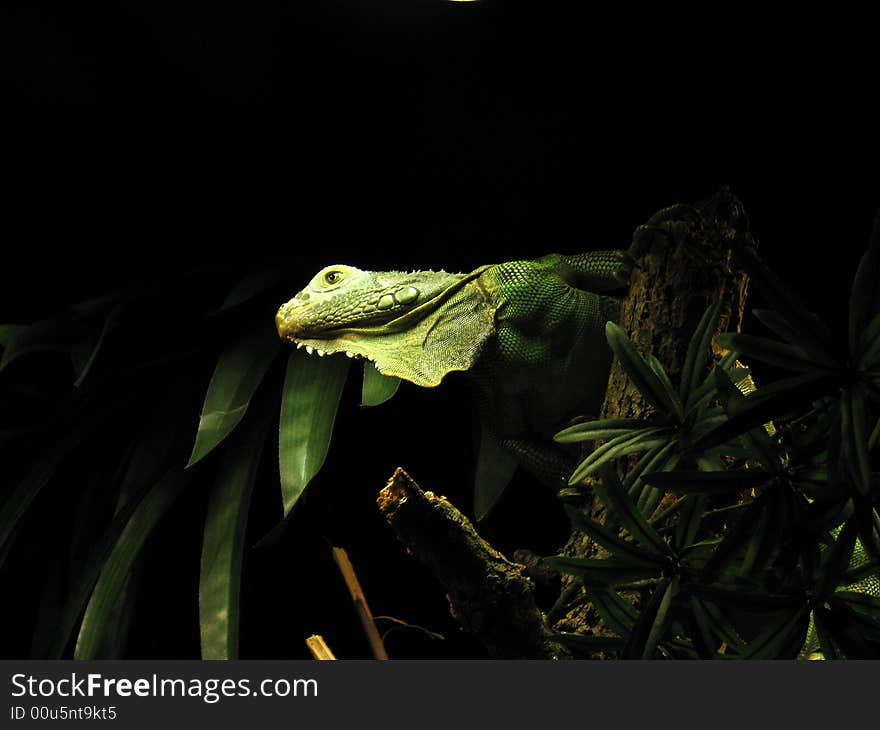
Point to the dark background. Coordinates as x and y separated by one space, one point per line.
182 146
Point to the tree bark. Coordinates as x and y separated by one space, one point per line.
684 262
488 595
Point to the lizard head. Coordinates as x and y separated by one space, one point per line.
416 325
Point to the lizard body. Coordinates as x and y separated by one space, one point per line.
529 334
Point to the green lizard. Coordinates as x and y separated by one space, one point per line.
530 334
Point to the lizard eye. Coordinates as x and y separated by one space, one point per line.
332 277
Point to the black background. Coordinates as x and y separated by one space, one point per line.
165 143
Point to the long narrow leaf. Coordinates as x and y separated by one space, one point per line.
703 636
836 559
117 567
495 469
773 400
25 492
312 390
249 287
643 439
650 624
639 371
689 520
142 472
708 482
772 642
863 295
869 340
617 614
736 538
646 463
18 340
698 352
85 353
223 546
703 394
854 436
617 546
783 300
603 572
862 602
778 354
596 430
587 644
239 371
671 394
377 388
780 326
616 500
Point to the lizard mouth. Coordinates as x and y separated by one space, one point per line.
321 348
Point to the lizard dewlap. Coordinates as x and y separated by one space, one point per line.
529 333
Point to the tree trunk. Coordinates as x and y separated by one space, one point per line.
684 263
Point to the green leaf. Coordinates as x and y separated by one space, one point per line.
595 430
605 572
689 520
827 647
495 469
223 545
766 530
117 567
239 371
19 340
619 503
312 390
837 559
648 462
671 394
863 295
704 636
617 546
772 642
249 287
783 328
146 466
117 628
778 354
60 447
618 615
708 389
747 598
708 482
765 405
698 352
721 626
861 602
783 300
644 439
855 633
640 372
853 428
649 497
869 342
590 644
17 503
736 538
84 353
377 388
869 530
652 621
